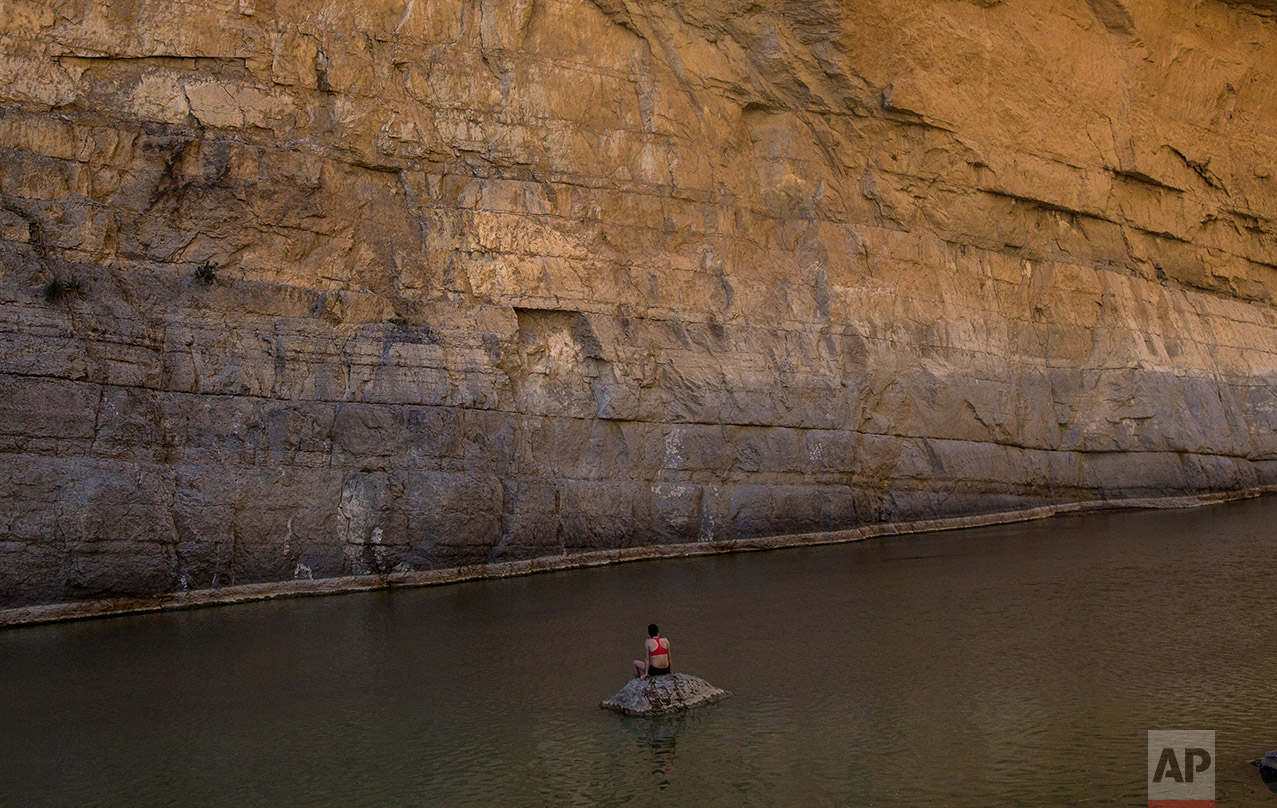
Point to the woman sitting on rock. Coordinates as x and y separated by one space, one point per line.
658 655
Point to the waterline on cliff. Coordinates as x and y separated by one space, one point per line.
247 593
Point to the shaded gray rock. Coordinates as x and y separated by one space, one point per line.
1268 770
662 695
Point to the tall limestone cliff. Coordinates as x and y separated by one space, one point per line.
307 288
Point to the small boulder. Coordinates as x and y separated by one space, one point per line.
1268 770
662 695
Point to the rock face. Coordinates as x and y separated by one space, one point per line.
662 695
306 288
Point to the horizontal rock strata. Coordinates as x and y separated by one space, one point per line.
295 290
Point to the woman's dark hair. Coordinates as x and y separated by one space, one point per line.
652 630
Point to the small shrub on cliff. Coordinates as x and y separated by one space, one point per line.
61 288
206 273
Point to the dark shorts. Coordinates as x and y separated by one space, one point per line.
654 671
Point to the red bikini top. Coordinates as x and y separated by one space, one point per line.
660 651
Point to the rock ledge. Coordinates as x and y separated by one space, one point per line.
662 695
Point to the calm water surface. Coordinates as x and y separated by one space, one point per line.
1016 665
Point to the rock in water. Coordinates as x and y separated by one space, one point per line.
662 695
1268 770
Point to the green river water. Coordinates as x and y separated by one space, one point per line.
1013 665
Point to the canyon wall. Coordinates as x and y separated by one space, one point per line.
303 288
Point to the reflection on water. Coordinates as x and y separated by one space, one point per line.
659 738
1015 665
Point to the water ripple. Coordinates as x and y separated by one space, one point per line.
1016 665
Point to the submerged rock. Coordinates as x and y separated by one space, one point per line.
662 695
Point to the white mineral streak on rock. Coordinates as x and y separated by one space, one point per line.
661 695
